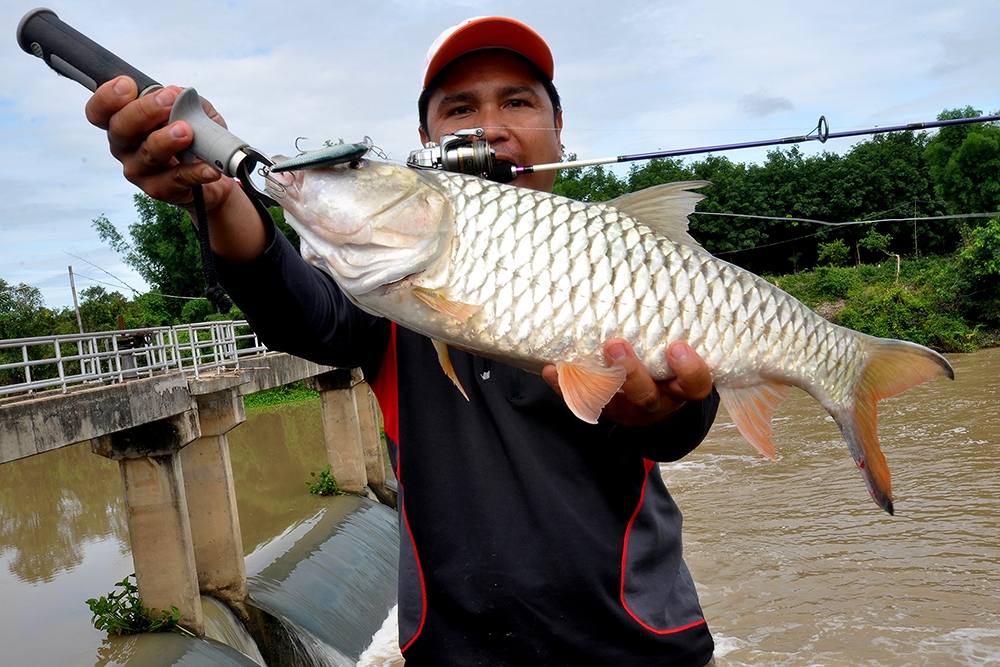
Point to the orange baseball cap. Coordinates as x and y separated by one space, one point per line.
488 32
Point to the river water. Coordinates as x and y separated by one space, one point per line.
794 563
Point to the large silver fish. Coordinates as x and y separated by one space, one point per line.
531 278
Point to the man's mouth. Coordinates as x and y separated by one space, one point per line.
503 170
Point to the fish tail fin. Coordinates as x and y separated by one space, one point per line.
893 366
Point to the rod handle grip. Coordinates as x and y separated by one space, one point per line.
72 54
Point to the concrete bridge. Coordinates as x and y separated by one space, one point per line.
160 401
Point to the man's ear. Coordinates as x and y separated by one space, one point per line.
424 138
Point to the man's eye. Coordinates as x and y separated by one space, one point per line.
517 103
459 111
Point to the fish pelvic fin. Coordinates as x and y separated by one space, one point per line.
445 360
751 409
893 367
587 388
442 304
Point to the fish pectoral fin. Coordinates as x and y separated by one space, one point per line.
445 360
751 409
587 388
436 300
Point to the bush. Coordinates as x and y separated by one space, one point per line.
196 310
323 483
122 613
834 253
897 311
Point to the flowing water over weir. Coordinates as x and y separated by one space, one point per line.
794 563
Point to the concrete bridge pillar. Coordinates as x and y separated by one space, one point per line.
371 442
211 496
158 524
341 428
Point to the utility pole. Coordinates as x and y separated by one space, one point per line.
76 305
79 320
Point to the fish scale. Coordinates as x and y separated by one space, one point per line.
531 278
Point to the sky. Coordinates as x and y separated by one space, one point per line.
633 77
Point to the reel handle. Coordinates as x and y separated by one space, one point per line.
73 54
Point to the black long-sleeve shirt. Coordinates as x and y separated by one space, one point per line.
526 535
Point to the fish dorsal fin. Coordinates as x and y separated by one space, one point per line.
664 208
751 409
587 387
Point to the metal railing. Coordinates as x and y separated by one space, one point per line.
28 365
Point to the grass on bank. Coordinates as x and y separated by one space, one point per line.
932 303
289 393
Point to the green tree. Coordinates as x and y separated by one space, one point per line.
590 184
99 309
162 248
23 312
964 163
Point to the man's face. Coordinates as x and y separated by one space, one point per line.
498 91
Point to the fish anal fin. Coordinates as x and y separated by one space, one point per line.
445 360
664 208
587 388
454 309
751 409
893 367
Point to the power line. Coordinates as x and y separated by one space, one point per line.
125 284
850 222
103 270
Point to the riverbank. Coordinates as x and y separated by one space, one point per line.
934 301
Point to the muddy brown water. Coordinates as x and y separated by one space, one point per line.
794 563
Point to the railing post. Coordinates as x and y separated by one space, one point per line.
59 366
27 368
158 524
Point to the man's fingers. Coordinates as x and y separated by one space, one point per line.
109 99
551 376
640 390
128 128
693 379
160 147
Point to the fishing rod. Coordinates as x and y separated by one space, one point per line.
466 151
820 133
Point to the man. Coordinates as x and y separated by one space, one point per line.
526 535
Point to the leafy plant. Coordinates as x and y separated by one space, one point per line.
834 253
323 483
121 612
